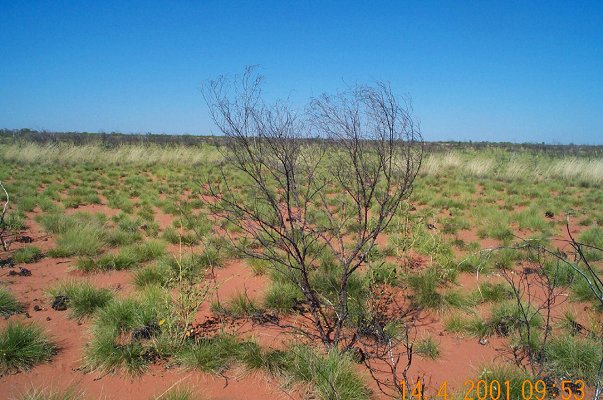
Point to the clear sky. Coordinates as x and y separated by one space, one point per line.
482 70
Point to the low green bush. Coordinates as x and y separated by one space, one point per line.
22 346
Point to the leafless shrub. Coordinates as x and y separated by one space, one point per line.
536 291
578 261
315 188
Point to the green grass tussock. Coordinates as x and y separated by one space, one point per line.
573 357
83 298
22 346
128 257
80 234
27 254
8 303
219 353
332 376
124 332
427 347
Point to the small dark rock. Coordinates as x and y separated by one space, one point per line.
150 355
7 262
37 308
145 332
27 315
48 318
24 239
504 326
60 303
431 226
260 317
413 208
22 272
549 214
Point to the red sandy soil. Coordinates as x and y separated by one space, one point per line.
71 336
164 220
460 358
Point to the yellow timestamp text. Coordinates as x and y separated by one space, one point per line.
499 390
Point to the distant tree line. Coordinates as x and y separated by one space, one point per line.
116 138
97 138
578 150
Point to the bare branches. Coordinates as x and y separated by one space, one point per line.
537 291
303 187
587 271
535 294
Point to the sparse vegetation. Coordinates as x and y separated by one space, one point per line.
425 286
219 353
240 305
8 303
49 394
128 257
22 346
331 376
83 298
569 356
434 261
122 330
77 235
27 254
427 347
515 376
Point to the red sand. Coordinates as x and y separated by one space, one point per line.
460 358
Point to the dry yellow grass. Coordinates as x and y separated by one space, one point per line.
481 166
574 168
125 154
436 164
570 168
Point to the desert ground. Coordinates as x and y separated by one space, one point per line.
120 280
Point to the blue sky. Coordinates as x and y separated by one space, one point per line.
484 70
